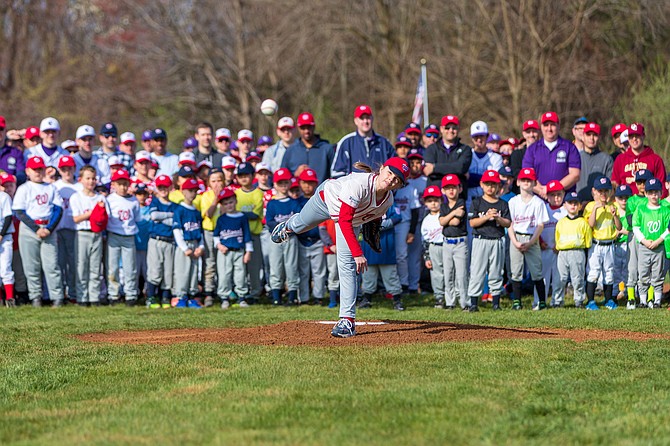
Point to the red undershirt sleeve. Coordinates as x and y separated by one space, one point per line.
345 221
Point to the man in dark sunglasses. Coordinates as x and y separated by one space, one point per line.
448 155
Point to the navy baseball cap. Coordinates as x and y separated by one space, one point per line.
264 140
581 120
190 143
506 171
109 128
571 196
623 191
159 134
186 171
643 175
403 141
653 184
602 183
413 127
431 128
141 188
147 135
245 169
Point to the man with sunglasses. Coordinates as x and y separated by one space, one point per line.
108 141
637 157
274 155
448 155
617 130
430 134
11 158
48 149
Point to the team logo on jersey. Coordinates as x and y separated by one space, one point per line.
653 226
561 156
11 163
124 214
42 199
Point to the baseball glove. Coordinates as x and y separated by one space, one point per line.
372 232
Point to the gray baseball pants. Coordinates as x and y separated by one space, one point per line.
266 240
39 255
284 265
620 266
455 258
312 261
550 276
231 270
121 247
209 262
389 278
89 266
255 266
437 272
186 271
633 248
571 264
160 268
333 276
488 257
651 270
67 260
601 261
533 258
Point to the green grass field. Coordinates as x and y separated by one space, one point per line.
59 390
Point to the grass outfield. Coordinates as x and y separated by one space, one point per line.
59 390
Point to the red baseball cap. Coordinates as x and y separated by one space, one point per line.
3 123
550 116
294 183
449 119
225 193
531 124
281 175
490 176
399 167
305 119
592 127
189 184
450 180
6 178
618 128
32 132
308 175
635 129
362 110
414 153
432 191
527 173
66 161
554 186
36 162
163 181
121 174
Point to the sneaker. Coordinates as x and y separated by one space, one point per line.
536 307
244 304
344 329
496 308
641 305
473 309
193 303
332 305
516 305
631 305
281 233
592 306
542 305
131 302
209 301
37 303
364 303
397 305
657 306
225 304
58 303
611 305
449 307
650 304
181 303
152 302
10 302
579 305
466 308
439 303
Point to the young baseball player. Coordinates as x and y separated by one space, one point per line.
39 207
621 196
415 250
232 238
488 217
556 211
455 247
124 212
160 248
187 232
433 240
7 246
651 223
641 177
67 230
210 211
142 236
352 200
529 215
603 217
573 237
8 186
89 244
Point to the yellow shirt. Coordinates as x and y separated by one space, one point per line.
573 233
251 202
604 228
177 197
206 200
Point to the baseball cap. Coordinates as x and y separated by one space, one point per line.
33 131
7 178
449 119
653 184
3 123
228 162
186 159
142 155
163 181
68 144
294 183
222 133
109 128
592 127
66 161
362 110
602 183
263 166
305 119
190 143
189 184
245 169
643 175
203 163
431 128
158 134
527 173
225 193
624 137
402 141
490 176
245 135
121 174
399 167
571 196
308 175
493 137
414 154
531 124
413 127
285 122
511 141
623 191
263 140
580 120
147 135
635 129
506 171
554 186
253 155
127 137
479 128
49 124
281 175
618 128
185 171
141 188
432 191
450 180
82 131
550 116
114 161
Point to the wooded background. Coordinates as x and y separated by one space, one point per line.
172 63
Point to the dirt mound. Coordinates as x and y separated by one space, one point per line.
317 333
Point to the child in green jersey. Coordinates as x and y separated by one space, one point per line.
641 177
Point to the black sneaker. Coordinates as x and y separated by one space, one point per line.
516 305
365 303
542 305
131 302
473 309
397 305
496 308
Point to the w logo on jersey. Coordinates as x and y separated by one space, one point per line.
124 214
653 226
42 199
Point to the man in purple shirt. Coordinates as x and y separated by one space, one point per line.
11 158
553 157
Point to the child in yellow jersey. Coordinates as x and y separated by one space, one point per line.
176 196
250 202
573 236
210 211
603 217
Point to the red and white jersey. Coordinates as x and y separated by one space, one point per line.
81 203
6 209
359 191
37 200
527 216
66 190
124 212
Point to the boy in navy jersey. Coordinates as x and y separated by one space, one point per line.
232 239
160 250
187 232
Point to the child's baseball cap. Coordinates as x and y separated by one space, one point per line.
189 184
281 175
36 162
571 196
245 169
190 143
121 174
186 159
652 185
527 173
225 193
506 171
253 156
602 183
308 175
554 186
432 191
141 188
263 166
491 176
115 161
642 175
142 155
450 180
403 141
203 163
623 191
186 171
414 154
66 161
7 178
264 140
294 183
228 162
163 181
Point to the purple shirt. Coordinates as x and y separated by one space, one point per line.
552 164
12 161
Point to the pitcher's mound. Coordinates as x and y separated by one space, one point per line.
317 333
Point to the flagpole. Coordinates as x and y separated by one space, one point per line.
424 80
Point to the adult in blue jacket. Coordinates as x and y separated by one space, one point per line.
309 150
363 145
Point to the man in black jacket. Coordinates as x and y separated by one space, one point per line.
448 155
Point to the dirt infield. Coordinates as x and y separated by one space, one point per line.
317 333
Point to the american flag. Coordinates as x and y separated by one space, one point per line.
418 101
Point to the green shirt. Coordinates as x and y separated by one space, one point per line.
652 222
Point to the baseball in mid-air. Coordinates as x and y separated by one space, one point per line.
269 107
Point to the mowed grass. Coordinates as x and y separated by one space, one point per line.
58 390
